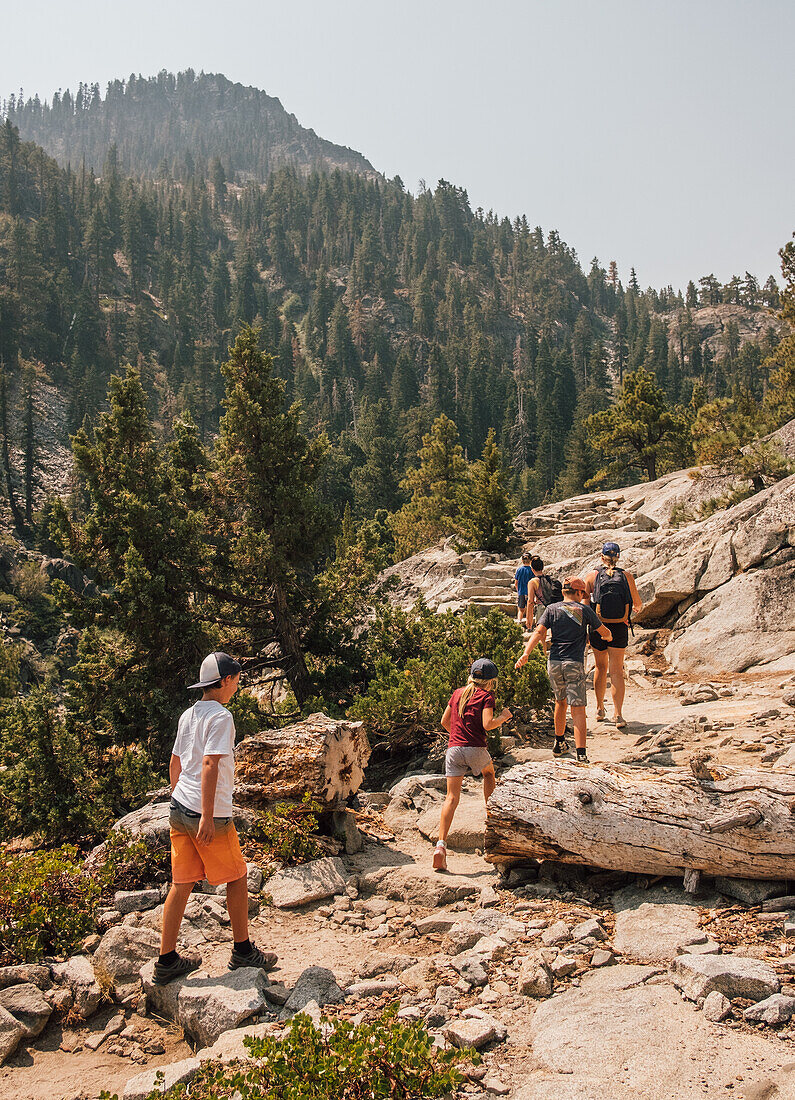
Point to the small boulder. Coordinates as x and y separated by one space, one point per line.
717 1007
587 929
777 1009
144 1084
470 967
373 987
437 922
313 881
562 967
28 1005
135 901
11 1033
24 974
750 891
469 1033
254 878
208 1006
601 957
557 933
77 974
122 952
535 977
316 983
698 975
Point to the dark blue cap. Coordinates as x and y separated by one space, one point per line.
611 549
483 669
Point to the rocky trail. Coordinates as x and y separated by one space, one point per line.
573 982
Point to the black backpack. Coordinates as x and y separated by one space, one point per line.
549 590
611 594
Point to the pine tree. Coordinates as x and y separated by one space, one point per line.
485 511
143 637
435 488
640 432
272 525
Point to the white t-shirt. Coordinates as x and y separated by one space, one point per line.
205 729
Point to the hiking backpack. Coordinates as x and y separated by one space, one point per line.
611 594
549 590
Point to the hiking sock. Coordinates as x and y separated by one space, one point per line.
559 737
244 947
168 959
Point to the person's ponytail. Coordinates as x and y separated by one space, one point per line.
470 689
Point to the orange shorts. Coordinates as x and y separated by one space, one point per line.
219 861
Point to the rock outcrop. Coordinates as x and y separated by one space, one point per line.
723 586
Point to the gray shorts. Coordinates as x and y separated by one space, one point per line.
462 759
568 681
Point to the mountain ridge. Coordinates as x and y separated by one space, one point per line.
176 124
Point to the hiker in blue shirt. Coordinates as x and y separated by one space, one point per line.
521 580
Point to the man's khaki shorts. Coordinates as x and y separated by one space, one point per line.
568 681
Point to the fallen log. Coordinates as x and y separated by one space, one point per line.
320 755
648 820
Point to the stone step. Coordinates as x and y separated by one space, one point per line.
486 590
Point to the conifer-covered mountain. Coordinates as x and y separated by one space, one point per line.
383 311
178 126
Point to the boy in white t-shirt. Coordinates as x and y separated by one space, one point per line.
204 841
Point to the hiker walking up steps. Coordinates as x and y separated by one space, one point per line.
467 719
568 622
521 581
613 596
204 840
541 592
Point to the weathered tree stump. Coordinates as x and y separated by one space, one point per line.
649 820
321 756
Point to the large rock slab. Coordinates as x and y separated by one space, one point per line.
697 975
652 931
469 824
207 1006
741 625
625 1034
77 974
24 973
122 952
417 884
313 881
28 1005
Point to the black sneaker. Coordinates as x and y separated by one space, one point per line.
561 747
261 960
582 759
180 968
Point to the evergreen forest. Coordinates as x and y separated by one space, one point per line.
283 372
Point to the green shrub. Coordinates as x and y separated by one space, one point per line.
9 669
133 863
44 785
47 904
420 658
343 1061
287 831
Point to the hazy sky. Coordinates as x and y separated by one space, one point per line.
655 132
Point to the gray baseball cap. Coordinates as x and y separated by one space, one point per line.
214 667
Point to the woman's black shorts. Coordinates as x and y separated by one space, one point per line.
620 639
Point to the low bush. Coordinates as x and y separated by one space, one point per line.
133 863
340 1061
47 904
286 831
420 658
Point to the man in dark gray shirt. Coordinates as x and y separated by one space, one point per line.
568 622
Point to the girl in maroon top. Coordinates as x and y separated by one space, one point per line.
468 718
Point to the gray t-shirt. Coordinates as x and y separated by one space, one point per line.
569 622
